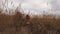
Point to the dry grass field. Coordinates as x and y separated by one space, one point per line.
15 24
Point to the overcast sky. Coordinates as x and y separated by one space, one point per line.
34 6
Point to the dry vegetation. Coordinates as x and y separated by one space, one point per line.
15 24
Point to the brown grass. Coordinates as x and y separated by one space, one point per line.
15 24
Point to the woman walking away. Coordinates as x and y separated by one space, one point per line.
27 21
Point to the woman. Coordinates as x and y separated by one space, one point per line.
27 20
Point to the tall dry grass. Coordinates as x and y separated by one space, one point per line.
15 24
